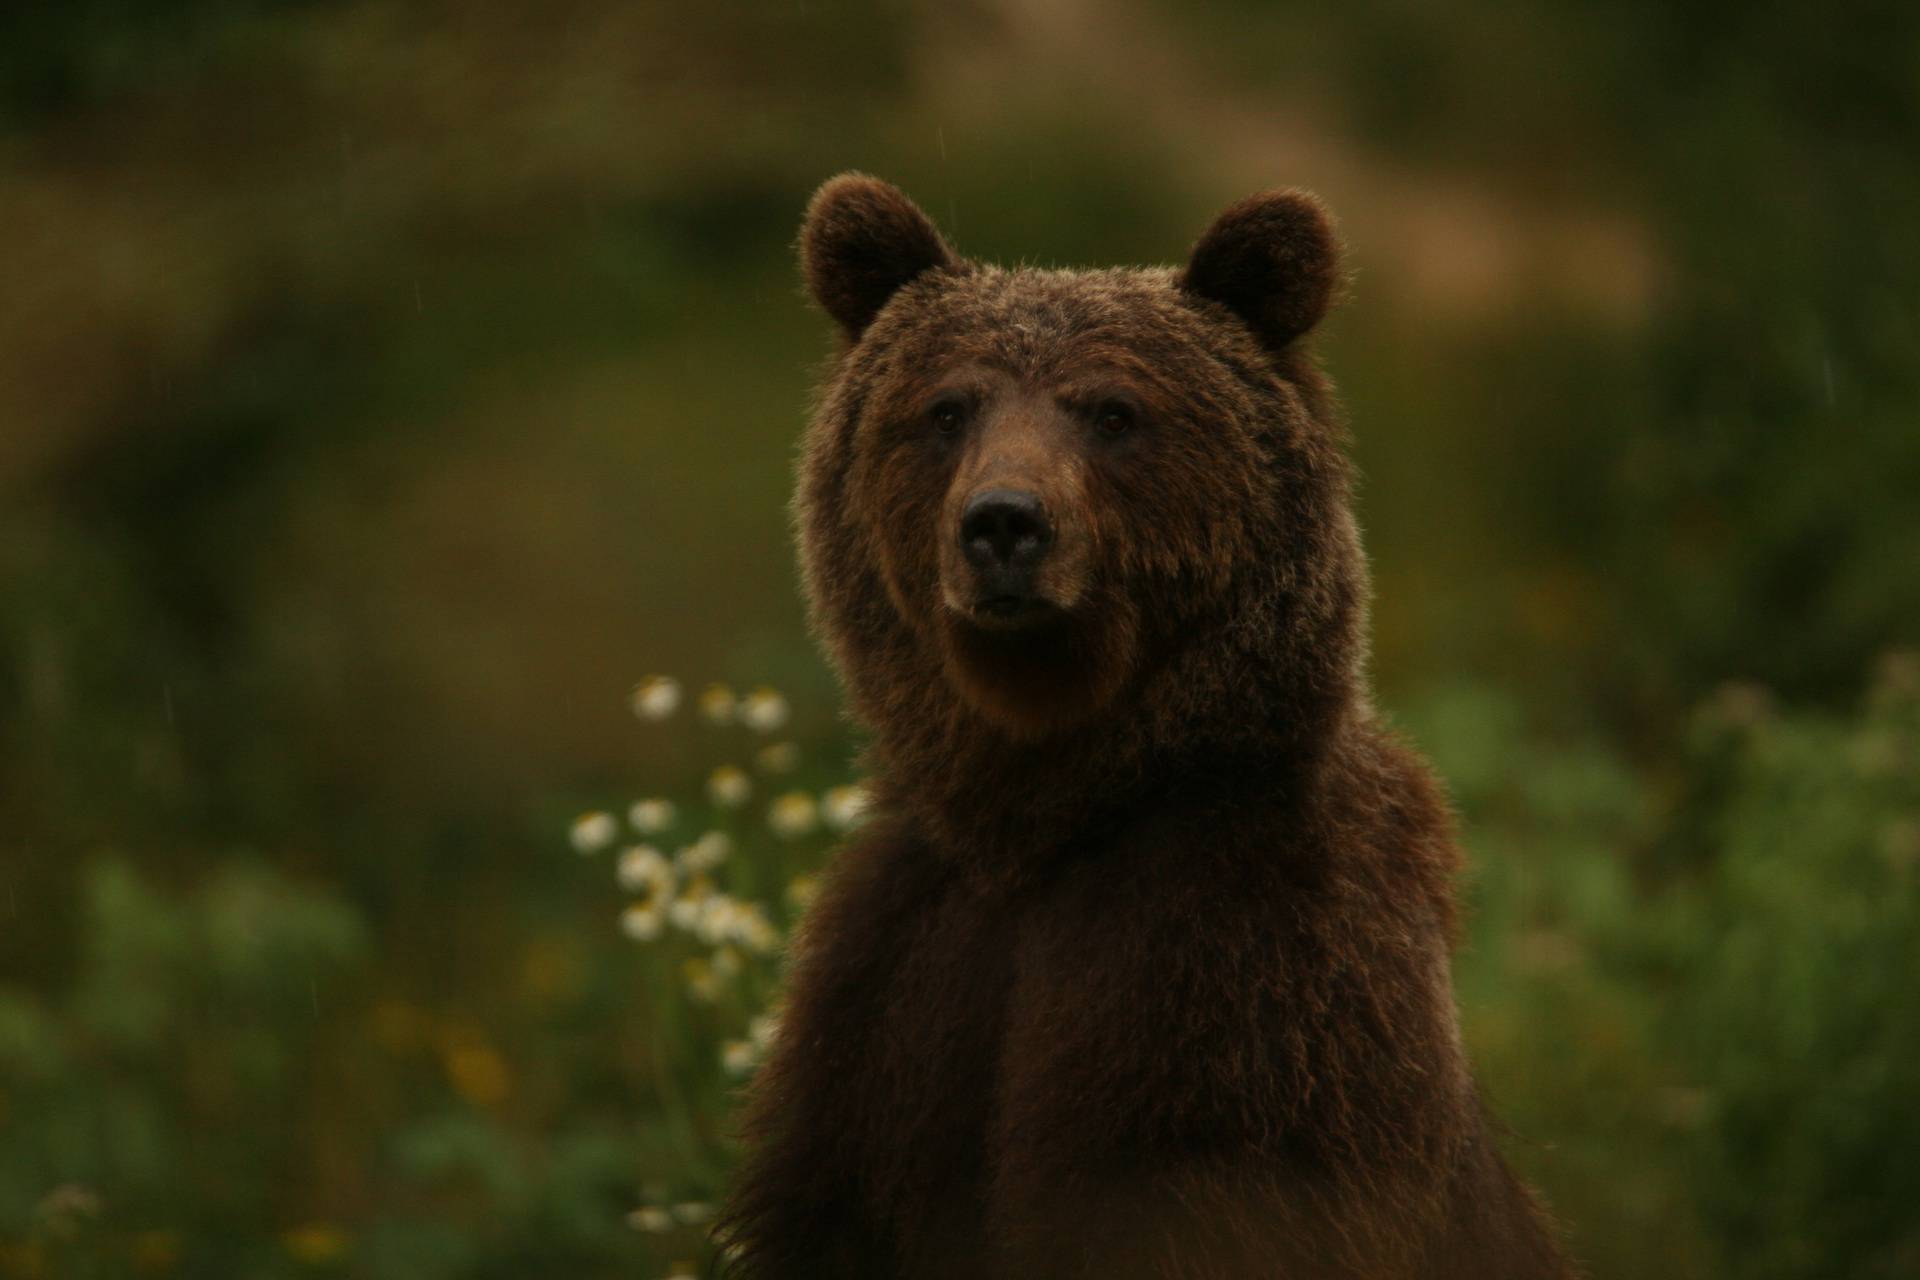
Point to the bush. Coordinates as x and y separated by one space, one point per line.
1781 964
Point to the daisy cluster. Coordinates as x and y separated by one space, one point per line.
684 866
684 889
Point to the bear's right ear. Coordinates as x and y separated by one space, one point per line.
1273 259
861 241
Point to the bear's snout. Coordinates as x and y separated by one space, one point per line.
1005 533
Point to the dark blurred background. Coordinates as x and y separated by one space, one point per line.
386 387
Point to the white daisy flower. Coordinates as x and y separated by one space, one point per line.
763 710
593 832
655 698
650 1217
844 807
762 1029
793 815
704 854
642 866
737 1057
650 816
719 916
753 930
642 921
685 910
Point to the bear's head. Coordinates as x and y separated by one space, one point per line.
1037 504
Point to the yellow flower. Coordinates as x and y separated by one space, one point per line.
26 1260
802 890
593 832
729 786
651 816
777 757
763 710
155 1251
793 815
550 967
844 807
400 1026
655 698
315 1243
701 982
717 703
475 1069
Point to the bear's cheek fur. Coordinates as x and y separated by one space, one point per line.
902 488
1180 529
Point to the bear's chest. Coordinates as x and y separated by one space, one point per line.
928 1075
1020 1033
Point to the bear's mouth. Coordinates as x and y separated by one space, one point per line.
1032 665
1008 611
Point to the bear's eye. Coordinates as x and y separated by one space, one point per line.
1113 418
947 415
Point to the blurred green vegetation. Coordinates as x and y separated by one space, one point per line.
385 387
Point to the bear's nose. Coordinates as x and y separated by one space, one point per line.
1005 529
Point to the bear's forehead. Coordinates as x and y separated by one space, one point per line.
1031 319
1056 301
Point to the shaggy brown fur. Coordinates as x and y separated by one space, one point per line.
1141 969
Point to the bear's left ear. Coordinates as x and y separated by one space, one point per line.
861 241
1273 259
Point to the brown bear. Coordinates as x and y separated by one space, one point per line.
1141 967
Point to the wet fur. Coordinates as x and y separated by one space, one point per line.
1142 968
